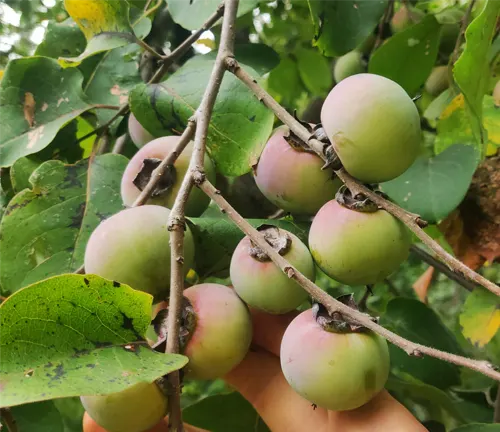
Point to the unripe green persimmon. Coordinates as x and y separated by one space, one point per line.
138 134
373 125
262 284
357 248
347 65
134 409
336 371
292 179
158 149
132 247
437 81
222 333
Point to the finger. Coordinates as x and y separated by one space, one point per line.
382 414
259 379
268 329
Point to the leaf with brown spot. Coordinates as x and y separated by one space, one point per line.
29 108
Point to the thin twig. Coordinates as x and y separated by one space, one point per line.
412 221
165 163
8 420
176 223
183 48
148 48
383 22
120 144
334 305
438 265
496 413
104 106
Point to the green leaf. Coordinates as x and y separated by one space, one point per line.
314 71
105 24
21 171
284 82
343 25
222 413
409 56
478 427
434 187
31 108
45 228
38 417
453 125
240 124
480 317
74 335
415 321
63 39
192 14
259 57
112 79
425 394
217 237
471 69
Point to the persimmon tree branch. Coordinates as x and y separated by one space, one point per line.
333 305
412 221
183 48
177 223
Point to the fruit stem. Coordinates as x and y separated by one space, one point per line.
412 221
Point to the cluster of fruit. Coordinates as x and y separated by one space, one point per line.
351 246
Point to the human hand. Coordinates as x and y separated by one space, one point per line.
260 380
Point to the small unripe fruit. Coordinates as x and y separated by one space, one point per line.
222 332
262 284
336 371
405 17
347 65
496 94
134 409
138 134
357 248
373 125
438 81
132 247
291 178
153 153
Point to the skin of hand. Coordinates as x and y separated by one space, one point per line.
260 380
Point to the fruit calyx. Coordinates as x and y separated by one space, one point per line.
187 326
278 239
166 182
359 202
336 322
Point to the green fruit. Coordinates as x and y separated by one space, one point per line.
335 371
373 125
291 178
347 65
139 135
222 331
357 248
132 247
438 81
260 283
134 409
154 152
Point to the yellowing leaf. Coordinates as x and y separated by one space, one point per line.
95 17
105 24
480 317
